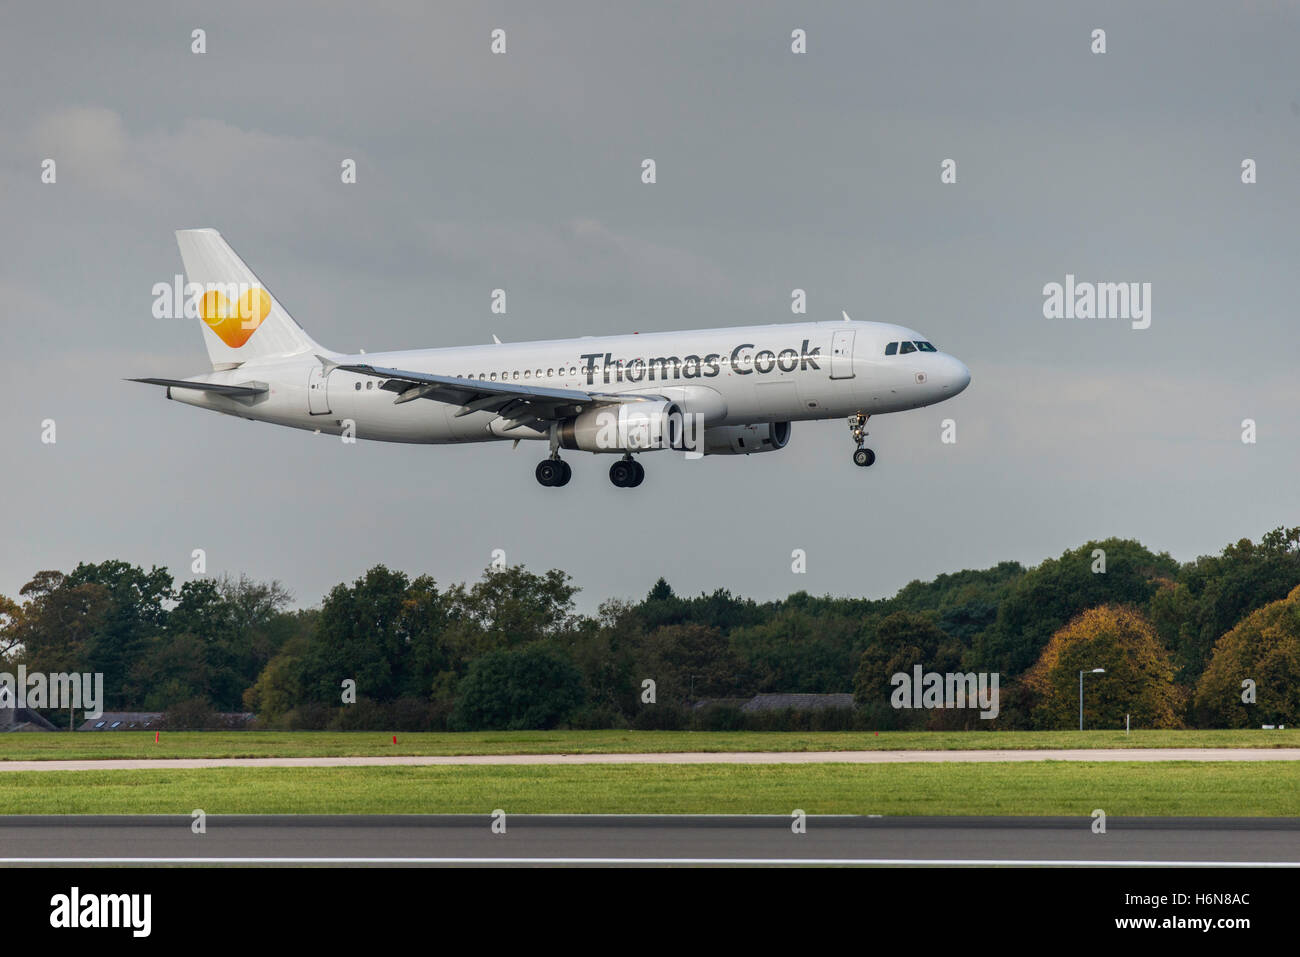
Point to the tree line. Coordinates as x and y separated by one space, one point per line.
1213 642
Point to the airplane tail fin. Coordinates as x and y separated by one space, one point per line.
242 321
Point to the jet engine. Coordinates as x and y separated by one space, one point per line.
626 427
746 439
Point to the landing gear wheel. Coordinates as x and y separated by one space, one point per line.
858 429
640 475
552 472
623 473
566 473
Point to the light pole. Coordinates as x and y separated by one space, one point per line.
1095 671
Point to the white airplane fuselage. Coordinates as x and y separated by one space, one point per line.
730 376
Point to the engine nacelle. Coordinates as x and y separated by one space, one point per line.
746 439
627 427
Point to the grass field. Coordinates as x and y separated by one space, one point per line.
1050 788
252 744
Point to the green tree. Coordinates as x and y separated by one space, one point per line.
1214 593
516 689
688 662
509 607
896 644
798 651
365 633
1045 598
134 616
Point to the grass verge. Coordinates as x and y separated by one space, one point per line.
252 744
1050 788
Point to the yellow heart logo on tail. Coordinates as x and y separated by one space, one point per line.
234 325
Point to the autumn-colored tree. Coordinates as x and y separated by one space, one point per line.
1139 678
59 624
1263 648
10 621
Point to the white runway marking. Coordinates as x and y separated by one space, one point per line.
818 861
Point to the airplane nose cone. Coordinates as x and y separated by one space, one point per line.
963 377
956 376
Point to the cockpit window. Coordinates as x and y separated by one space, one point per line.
926 347
907 347
891 349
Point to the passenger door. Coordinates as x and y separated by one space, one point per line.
318 401
842 354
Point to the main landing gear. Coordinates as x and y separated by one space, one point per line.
552 472
627 472
857 426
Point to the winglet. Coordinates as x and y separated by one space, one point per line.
495 339
842 313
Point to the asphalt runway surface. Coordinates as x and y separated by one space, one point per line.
680 757
394 840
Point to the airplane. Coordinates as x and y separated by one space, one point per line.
727 391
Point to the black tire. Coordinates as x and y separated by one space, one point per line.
864 457
622 473
639 477
566 473
548 471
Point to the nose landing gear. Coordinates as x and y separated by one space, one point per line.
857 427
627 472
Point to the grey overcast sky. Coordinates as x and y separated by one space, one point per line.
818 171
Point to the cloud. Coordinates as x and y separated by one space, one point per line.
579 252
88 142
197 163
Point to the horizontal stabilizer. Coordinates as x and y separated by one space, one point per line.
245 389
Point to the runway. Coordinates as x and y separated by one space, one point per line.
648 840
680 757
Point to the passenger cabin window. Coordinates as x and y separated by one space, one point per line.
891 349
907 347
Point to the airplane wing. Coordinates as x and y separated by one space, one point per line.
234 391
519 404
